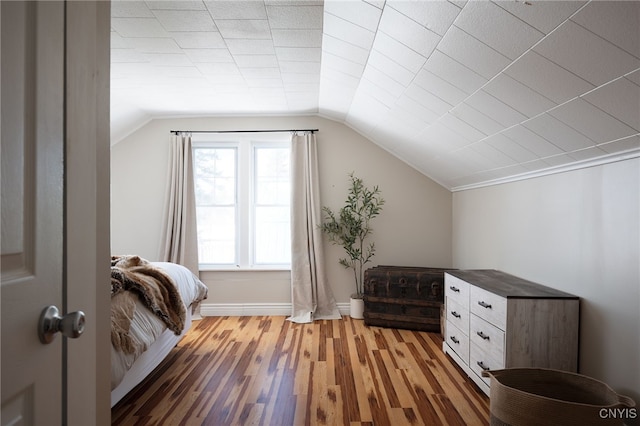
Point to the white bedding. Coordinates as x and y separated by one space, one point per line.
127 370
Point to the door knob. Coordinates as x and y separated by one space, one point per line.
50 323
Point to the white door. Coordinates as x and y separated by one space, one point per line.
32 125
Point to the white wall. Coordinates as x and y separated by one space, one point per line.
413 229
578 232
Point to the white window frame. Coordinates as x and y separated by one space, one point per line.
245 145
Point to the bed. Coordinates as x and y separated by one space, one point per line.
152 304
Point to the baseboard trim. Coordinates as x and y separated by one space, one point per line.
253 309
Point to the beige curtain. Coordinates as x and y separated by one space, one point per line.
179 241
311 295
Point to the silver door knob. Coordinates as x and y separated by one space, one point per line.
70 325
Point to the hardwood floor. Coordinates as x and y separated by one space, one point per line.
269 371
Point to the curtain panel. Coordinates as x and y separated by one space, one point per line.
311 295
179 238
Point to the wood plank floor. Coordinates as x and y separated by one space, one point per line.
269 371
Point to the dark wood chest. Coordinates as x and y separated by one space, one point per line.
404 297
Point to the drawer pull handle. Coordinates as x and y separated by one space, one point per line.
455 314
454 340
481 334
481 365
484 304
454 289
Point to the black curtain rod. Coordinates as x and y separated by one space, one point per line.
243 131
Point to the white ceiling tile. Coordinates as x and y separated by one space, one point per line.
634 77
300 67
472 53
360 13
245 9
428 99
155 45
616 21
439 87
437 16
543 16
587 153
596 124
199 40
138 27
130 9
345 50
477 119
620 99
408 32
256 61
454 72
383 81
168 59
295 17
256 73
462 127
398 52
218 68
518 96
118 42
532 141
547 78
510 148
336 77
343 65
301 87
497 157
263 82
126 55
444 134
558 133
412 107
342 29
622 145
312 54
391 68
495 108
175 5
295 78
297 38
185 20
585 54
250 47
209 55
497 28
244 28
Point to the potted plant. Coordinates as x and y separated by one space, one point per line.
350 227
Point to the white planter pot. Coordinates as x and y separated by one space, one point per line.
356 308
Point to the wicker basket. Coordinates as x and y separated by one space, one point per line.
536 396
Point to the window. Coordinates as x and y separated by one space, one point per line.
242 187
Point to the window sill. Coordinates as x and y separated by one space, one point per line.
238 269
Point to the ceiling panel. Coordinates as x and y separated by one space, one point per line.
497 28
467 92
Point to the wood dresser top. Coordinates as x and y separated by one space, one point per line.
508 286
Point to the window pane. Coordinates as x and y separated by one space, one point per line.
272 235
215 180
215 190
216 235
272 176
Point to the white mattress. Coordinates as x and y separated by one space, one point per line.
127 370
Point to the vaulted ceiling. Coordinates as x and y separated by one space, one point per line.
467 92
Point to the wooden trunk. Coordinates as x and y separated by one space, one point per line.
404 297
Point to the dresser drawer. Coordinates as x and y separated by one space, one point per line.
458 341
479 361
487 337
488 306
457 290
457 315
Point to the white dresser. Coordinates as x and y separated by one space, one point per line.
495 320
